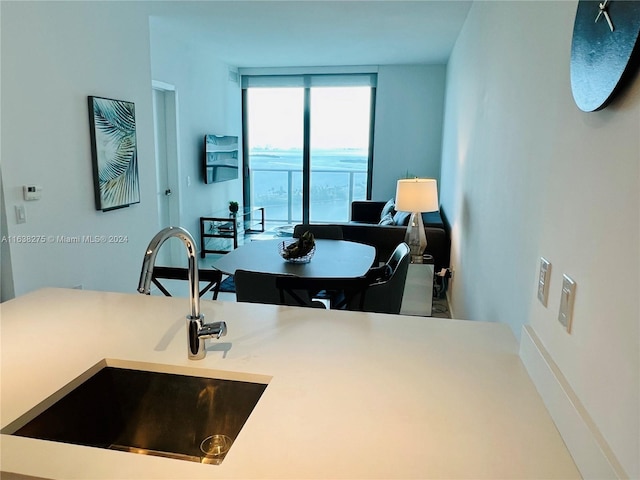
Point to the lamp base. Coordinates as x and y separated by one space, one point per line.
415 237
417 259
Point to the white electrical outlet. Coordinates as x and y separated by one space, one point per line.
565 316
543 281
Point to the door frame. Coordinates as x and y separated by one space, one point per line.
171 132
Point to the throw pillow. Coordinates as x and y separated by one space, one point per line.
401 218
386 220
389 208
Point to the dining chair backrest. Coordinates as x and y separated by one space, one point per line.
340 291
212 277
401 254
329 232
259 287
384 295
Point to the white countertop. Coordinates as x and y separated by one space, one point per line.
351 395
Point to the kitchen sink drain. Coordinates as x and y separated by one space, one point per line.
216 445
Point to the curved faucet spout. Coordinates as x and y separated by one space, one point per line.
149 261
197 330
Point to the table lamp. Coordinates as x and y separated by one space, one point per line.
416 195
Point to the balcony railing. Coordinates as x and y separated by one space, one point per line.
331 194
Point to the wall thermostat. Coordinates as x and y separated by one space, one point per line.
32 192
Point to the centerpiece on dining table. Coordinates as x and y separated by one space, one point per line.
300 250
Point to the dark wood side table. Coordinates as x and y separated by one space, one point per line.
227 227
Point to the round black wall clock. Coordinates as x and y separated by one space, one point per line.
604 50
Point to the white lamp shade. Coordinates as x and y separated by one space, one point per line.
417 195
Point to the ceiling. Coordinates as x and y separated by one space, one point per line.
267 33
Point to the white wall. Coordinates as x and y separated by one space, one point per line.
54 55
208 103
524 174
408 129
6 272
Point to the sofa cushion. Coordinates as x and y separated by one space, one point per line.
366 211
388 209
385 239
386 220
401 218
432 219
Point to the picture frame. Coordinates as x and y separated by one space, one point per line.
114 153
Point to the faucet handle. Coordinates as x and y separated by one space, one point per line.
215 329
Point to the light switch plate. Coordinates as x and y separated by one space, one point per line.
567 299
21 214
544 276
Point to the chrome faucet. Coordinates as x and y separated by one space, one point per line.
197 330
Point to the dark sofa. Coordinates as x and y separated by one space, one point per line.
364 227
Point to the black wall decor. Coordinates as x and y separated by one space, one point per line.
604 50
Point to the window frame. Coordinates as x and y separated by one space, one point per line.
307 82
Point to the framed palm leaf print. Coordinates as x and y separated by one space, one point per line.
114 152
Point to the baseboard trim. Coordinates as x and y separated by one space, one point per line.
590 451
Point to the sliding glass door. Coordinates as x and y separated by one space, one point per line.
275 162
340 121
307 151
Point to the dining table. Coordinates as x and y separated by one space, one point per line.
338 259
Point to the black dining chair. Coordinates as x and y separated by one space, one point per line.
212 277
329 232
385 284
259 287
346 290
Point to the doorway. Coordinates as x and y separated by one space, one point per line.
167 173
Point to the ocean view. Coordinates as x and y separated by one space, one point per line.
338 176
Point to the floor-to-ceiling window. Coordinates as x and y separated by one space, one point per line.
308 143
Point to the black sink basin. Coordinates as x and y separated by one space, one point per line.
173 415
